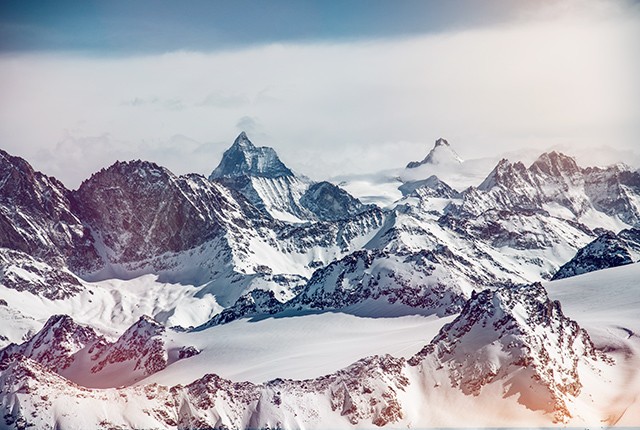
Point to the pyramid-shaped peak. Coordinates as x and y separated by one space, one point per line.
243 158
441 154
242 141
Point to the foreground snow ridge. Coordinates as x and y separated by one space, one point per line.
517 331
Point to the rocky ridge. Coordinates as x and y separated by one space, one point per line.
608 250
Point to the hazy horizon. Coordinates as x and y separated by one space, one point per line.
335 87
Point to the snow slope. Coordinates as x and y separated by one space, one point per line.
607 303
296 346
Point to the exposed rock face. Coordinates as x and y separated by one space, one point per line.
259 175
255 302
140 209
608 250
329 202
520 334
36 218
441 153
243 158
142 345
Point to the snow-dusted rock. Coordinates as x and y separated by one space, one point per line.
430 187
140 350
514 339
139 210
554 182
520 337
365 275
329 202
243 158
608 250
55 345
22 272
259 175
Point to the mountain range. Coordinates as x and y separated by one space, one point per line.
142 298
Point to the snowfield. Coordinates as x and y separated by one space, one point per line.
296 347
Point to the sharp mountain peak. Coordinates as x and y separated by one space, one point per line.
243 158
441 153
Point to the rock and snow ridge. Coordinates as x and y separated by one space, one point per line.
78 353
519 334
598 197
36 218
137 217
55 345
430 187
608 250
524 338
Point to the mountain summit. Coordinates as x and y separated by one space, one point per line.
243 158
441 153
258 174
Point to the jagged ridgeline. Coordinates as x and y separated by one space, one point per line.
144 298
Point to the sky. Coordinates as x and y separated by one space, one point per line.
348 87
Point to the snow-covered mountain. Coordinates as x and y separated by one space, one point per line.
608 250
55 345
154 294
597 197
442 153
263 179
430 187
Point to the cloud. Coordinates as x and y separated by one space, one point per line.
222 99
248 124
168 104
75 158
332 108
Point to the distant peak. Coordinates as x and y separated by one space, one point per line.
555 164
441 153
243 158
243 141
